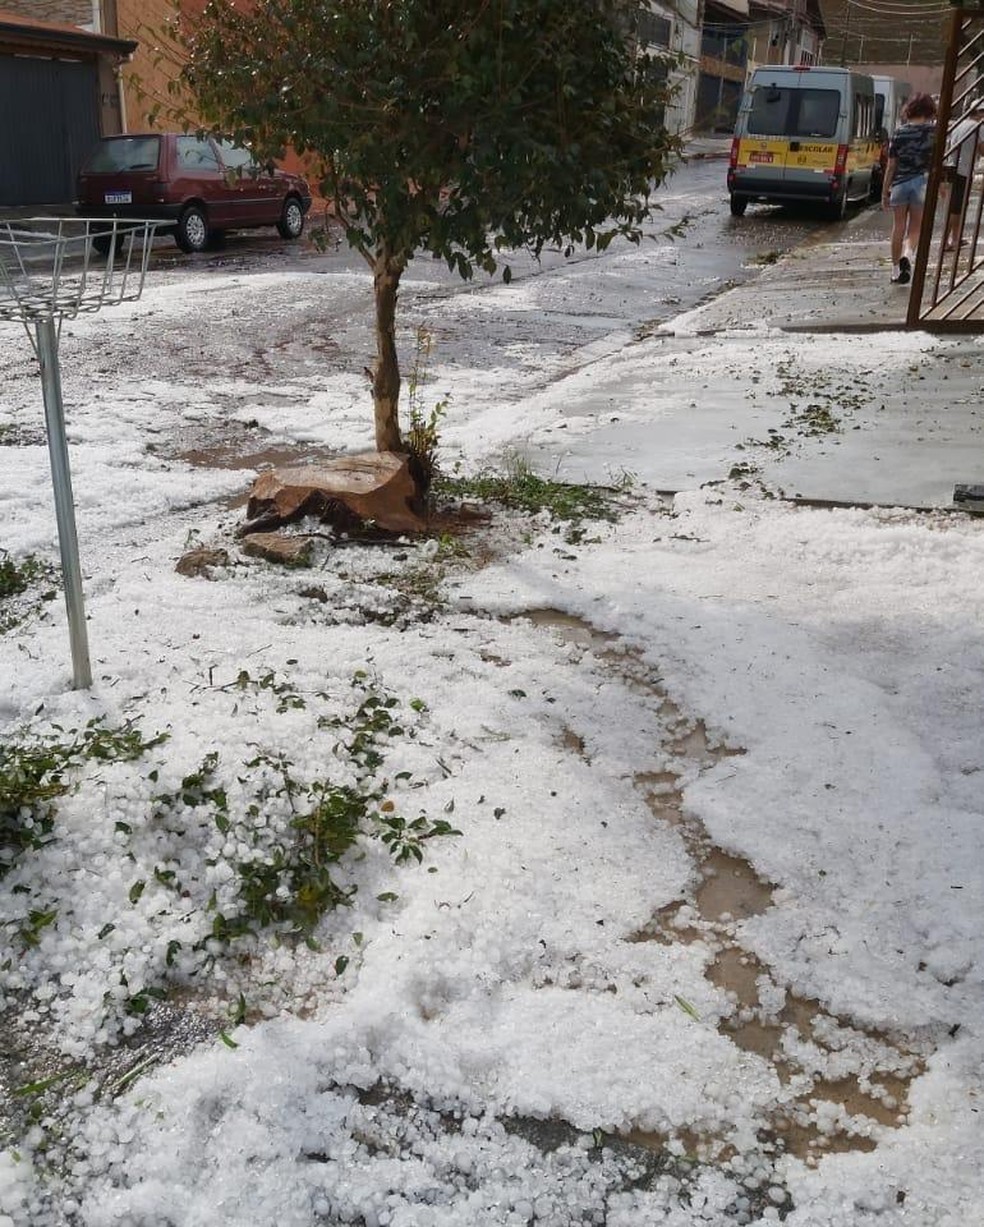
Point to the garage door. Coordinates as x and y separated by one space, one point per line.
49 119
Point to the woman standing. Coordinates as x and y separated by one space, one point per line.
904 189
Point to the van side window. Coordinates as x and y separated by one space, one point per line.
864 116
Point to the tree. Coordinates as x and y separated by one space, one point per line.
461 128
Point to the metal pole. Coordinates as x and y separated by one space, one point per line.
68 542
914 309
847 28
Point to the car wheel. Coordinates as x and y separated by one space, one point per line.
291 219
192 231
738 205
103 242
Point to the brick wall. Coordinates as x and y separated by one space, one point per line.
147 75
62 12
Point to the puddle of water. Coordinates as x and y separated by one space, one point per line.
665 930
569 627
806 1142
735 971
694 1145
856 1102
803 1126
660 785
663 794
731 889
695 745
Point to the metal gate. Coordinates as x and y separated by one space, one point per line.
948 277
51 121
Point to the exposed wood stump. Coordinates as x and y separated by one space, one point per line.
372 488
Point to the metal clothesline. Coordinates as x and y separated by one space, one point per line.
49 272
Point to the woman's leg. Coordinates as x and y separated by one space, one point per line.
900 215
912 231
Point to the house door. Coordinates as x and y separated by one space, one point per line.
49 120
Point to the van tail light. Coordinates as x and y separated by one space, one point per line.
840 165
733 161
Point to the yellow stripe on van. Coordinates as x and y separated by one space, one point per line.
777 153
812 156
761 152
809 155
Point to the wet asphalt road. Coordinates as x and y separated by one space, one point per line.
702 250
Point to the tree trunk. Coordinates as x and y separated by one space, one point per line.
387 271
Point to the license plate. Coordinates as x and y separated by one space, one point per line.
118 198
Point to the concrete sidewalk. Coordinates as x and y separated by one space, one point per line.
804 377
911 432
838 281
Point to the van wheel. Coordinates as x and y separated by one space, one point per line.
738 205
291 219
192 230
837 209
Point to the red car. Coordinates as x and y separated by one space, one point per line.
203 186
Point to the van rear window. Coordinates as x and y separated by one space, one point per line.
778 111
125 153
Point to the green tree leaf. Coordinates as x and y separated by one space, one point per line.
458 128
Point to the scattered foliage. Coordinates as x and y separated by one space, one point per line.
18 580
242 850
567 504
36 770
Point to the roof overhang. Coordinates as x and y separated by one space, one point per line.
24 33
730 8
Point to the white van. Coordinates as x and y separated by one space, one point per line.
890 99
805 133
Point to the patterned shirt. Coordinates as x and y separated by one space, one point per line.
912 146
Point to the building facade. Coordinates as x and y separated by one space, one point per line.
740 35
672 27
60 87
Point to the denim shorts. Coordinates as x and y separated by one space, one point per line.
910 192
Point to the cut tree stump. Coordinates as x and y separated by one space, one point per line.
372 488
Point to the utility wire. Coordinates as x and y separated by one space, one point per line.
893 8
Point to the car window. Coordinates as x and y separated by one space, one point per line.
777 111
234 157
125 153
195 154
